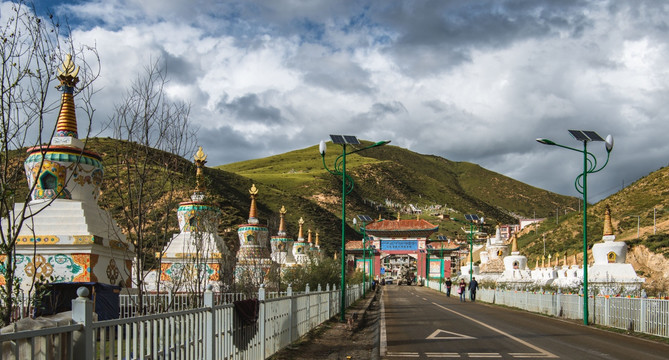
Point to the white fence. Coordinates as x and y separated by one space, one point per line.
649 316
207 332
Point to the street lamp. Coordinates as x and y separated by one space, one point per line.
471 218
581 185
346 188
365 219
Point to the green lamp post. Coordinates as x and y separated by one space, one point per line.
581 185
347 187
471 218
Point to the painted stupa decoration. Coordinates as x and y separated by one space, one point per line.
69 238
610 272
300 247
253 258
196 256
282 245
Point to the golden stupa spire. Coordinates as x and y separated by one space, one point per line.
300 233
200 159
253 213
537 265
67 119
557 259
309 236
282 221
514 244
574 259
608 227
318 242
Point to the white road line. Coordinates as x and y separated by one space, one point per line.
402 354
425 299
533 347
383 347
442 355
484 355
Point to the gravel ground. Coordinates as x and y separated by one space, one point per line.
335 340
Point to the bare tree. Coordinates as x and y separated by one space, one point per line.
31 49
148 165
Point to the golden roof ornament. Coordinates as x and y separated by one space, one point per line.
514 244
608 226
318 242
253 213
200 159
68 75
309 236
300 234
282 221
66 126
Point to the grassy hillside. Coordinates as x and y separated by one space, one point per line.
388 179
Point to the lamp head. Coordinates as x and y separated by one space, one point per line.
321 148
545 141
609 143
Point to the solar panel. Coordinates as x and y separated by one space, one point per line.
442 237
472 217
365 218
337 139
593 136
579 135
350 139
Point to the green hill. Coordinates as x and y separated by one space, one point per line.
388 179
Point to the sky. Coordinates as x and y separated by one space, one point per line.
474 81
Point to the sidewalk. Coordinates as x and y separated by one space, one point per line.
334 340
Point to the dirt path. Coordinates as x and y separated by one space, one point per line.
334 340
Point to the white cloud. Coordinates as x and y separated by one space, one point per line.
469 82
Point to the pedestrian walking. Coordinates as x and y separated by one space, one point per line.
448 287
462 289
473 285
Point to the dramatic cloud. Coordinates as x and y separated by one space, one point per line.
468 81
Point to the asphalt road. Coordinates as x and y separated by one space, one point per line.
421 323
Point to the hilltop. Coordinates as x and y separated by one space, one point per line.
388 180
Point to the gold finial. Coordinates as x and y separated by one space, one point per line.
514 244
608 227
398 216
300 233
318 242
282 222
68 74
254 211
66 125
557 259
309 236
537 264
543 259
200 159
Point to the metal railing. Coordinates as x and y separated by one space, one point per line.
644 315
210 331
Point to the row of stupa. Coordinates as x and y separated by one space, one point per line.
197 255
67 237
609 274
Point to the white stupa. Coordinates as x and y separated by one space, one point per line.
197 255
69 238
516 273
282 245
610 274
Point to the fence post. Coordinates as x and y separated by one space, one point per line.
327 288
291 311
308 300
642 320
82 313
558 310
261 319
209 326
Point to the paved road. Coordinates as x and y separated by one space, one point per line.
422 323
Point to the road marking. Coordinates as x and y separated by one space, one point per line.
383 347
425 299
442 355
402 354
484 355
533 347
455 336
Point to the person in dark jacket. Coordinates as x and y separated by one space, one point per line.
473 285
448 287
462 289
